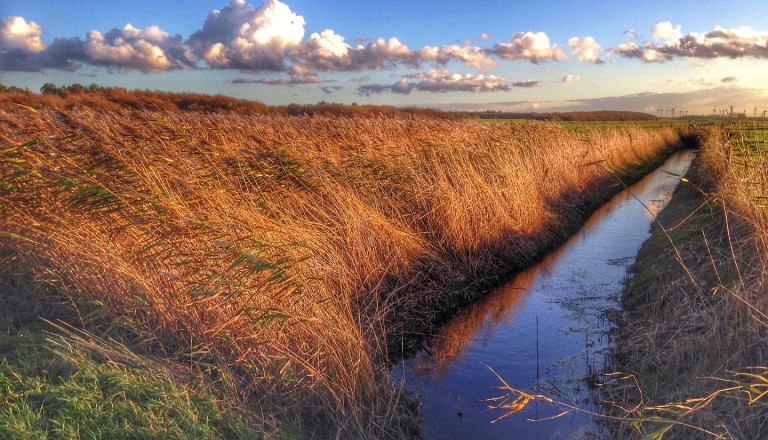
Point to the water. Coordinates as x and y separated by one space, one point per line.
543 332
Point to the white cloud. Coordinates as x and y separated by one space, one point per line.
529 46
471 56
445 81
484 36
665 31
381 53
326 51
17 33
243 37
148 50
441 81
586 49
571 78
743 42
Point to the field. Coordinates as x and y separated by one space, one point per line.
273 262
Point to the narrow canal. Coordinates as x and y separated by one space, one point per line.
543 332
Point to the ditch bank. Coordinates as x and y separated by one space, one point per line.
417 316
689 338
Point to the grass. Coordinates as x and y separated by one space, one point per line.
693 338
58 382
304 252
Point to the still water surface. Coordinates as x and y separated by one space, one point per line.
562 300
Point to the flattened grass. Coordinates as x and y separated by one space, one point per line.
300 251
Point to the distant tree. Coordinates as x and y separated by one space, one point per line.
49 89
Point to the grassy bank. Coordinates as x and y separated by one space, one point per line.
58 380
302 252
693 334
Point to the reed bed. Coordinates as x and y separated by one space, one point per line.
305 251
697 308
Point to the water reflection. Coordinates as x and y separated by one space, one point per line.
543 331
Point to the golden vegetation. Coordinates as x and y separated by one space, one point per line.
118 98
302 250
694 336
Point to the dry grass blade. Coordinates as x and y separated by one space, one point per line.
300 249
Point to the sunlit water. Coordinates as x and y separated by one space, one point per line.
543 332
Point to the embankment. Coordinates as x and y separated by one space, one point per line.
297 253
693 327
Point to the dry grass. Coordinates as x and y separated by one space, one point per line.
694 337
297 248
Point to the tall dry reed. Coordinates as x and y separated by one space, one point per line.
694 337
296 248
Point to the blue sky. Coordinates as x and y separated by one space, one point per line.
564 55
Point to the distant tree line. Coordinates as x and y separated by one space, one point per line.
118 98
583 116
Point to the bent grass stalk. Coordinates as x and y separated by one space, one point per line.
290 246
735 265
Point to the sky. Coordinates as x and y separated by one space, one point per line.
652 56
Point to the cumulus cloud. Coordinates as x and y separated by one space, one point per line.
571 78
665 31
442 81
472 56
529 46
381 53
484 36
743 42
445 81
328 51
729 80
17 33
22 49
243 37
148 50
586 49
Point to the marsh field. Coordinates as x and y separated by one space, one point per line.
206 269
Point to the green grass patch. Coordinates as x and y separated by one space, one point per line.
63 383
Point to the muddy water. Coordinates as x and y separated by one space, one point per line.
543 332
